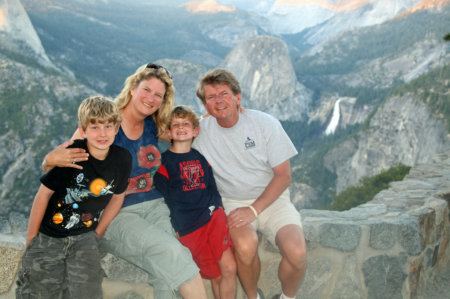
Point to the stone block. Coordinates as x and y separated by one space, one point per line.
311 236
344 236
348 282
9 265
409 235
317 279
384 276
383 235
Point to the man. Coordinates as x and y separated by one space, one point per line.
249 152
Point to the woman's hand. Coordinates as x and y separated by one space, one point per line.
64 157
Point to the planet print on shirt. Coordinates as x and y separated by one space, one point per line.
97 186
58 218
67 212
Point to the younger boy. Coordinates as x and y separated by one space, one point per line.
186 180
61 259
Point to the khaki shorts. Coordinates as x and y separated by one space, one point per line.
143 235
280 213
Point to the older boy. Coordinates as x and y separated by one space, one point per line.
72 210
186 181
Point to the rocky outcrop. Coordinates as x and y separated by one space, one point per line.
402 131
231 28
405 65
427 4
373 13
186 75
268 81
208 6
17 32
38 109
396 246
264 69
350 113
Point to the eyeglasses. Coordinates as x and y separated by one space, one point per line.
157 67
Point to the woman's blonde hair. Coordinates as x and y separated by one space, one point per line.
146 72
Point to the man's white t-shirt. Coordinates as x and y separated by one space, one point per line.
242 157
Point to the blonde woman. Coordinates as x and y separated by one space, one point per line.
142 233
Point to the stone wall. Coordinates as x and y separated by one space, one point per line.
395 246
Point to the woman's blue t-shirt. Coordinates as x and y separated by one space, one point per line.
146 161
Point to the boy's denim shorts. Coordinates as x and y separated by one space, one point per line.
61 268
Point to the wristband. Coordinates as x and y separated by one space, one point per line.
253 210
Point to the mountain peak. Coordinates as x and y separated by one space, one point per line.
15 23
427 4
208 6
337 5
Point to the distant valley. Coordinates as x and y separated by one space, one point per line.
389 73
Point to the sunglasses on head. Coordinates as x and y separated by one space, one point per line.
157 67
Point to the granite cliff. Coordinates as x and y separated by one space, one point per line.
402 131
268 81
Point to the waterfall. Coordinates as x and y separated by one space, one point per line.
331 128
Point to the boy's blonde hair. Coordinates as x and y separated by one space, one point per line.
184 112
98 108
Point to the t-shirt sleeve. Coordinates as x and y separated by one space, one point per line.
212 185
125 171
52 179
279 146
161 180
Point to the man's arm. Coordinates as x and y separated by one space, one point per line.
37 212
280 181
111 210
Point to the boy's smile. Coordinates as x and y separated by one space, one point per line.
181 129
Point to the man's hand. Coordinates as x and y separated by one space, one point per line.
240 217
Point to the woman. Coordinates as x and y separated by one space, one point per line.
142 233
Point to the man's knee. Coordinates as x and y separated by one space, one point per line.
245 247
297 257
292 245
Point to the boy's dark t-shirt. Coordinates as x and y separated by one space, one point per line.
81 195
189 189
